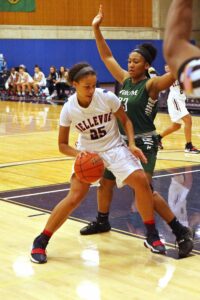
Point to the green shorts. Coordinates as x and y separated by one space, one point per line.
149 146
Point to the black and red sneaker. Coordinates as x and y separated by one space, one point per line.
154 243
95 227
189 148
38 252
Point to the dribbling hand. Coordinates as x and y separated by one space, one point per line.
138 153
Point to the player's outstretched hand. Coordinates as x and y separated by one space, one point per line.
99 17
138 153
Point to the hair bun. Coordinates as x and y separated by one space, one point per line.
150 48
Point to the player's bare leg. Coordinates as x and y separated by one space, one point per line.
145 205
104 199
59 215
172 128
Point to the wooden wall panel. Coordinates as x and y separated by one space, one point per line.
123 13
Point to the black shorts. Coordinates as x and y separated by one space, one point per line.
189 77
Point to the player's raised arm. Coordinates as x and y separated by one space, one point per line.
106 55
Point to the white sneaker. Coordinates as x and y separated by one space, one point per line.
53 95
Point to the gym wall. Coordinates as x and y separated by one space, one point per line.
126 13
59 32
68 52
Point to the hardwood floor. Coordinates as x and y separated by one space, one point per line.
101 267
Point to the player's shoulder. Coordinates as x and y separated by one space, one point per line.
70 102
104 93
71 99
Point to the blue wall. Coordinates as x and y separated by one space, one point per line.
68 52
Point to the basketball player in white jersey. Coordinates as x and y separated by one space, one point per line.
12 81
39 81
24 81
93 113
178 113
182 57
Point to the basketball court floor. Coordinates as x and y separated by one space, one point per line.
114 265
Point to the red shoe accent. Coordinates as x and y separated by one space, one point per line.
149 222
48 233
157 243
38 251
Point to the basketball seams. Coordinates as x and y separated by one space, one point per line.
89 169
89 159
85 161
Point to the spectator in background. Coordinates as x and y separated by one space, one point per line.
51 81
3 64
11 83
62 83
24 81
39 80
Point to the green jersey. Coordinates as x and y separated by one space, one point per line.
140 108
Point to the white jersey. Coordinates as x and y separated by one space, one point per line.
40 75
12 79
25 78
96 124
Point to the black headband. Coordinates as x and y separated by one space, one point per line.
83 71
145 54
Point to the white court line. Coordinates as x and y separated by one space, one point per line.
35 194
56 191
178 173
41 193
30 133
26 162
25 134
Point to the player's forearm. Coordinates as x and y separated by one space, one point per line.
179 20
128 127
68 150
102 46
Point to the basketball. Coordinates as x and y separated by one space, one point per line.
89 168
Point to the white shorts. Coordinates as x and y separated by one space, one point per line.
121 162
177 109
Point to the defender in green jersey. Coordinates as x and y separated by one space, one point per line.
141 110
139 98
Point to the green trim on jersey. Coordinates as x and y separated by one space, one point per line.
140 108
